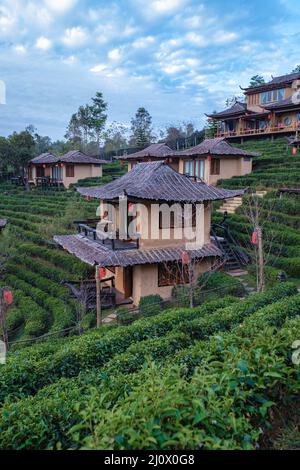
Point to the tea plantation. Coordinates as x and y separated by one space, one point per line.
34 266
276 168
202 378
212 377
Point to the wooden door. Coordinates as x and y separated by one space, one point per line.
127 282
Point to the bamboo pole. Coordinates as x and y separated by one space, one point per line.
98 296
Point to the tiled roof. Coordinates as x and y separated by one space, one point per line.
274 83
45 158
92 252
281 104
157 181
236 108
218 146
74 156
153 150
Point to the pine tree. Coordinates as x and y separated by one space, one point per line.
141 128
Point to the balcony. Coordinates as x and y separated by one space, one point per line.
115 244
268 130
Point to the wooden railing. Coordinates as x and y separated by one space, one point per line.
265 130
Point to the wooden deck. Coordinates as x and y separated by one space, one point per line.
258 132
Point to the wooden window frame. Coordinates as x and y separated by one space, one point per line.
172 273
215 166
70 170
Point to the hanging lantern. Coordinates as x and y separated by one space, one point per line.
130 207
8 297
185 257
294 150
61 165
209 158
100 272
44 166
254 238
88 198
270 116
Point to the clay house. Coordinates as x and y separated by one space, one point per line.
269 109
146 238
48 169
211 160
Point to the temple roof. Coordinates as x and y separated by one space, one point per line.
236 108
218 146
93 252
157 181
153 150
74 156
274 83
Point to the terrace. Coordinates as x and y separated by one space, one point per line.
265 130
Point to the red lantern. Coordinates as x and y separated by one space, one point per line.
294 150
101 272
269 116
209 158
88 198
8 297
130 206
185 257
254 238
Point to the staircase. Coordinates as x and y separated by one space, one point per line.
230 205
234 257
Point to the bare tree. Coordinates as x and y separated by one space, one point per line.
258 212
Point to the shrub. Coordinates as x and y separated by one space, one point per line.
150 305
222 283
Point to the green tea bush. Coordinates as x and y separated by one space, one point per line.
150 305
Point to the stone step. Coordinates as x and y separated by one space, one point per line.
237 272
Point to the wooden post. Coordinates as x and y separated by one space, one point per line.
2 320
98 296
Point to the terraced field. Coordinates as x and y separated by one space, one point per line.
35 267
185 379
277 168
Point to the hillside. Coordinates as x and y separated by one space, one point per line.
34 266
186 379
276 168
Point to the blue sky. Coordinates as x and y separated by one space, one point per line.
178 58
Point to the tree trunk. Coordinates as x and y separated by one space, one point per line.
261 270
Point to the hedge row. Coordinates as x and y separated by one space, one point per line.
91 351
70 401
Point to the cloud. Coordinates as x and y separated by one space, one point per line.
7 19
72 59
20 49
143 42
114 54
98 68
43 43
225 36
74 37
166 6
60 6
196 39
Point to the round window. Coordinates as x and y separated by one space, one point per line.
287 121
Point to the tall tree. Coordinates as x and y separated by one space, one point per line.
22 147
5 154
256 80
115 137
296 69
141 128
98 116
74 132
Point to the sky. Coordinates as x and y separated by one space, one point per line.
179 59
